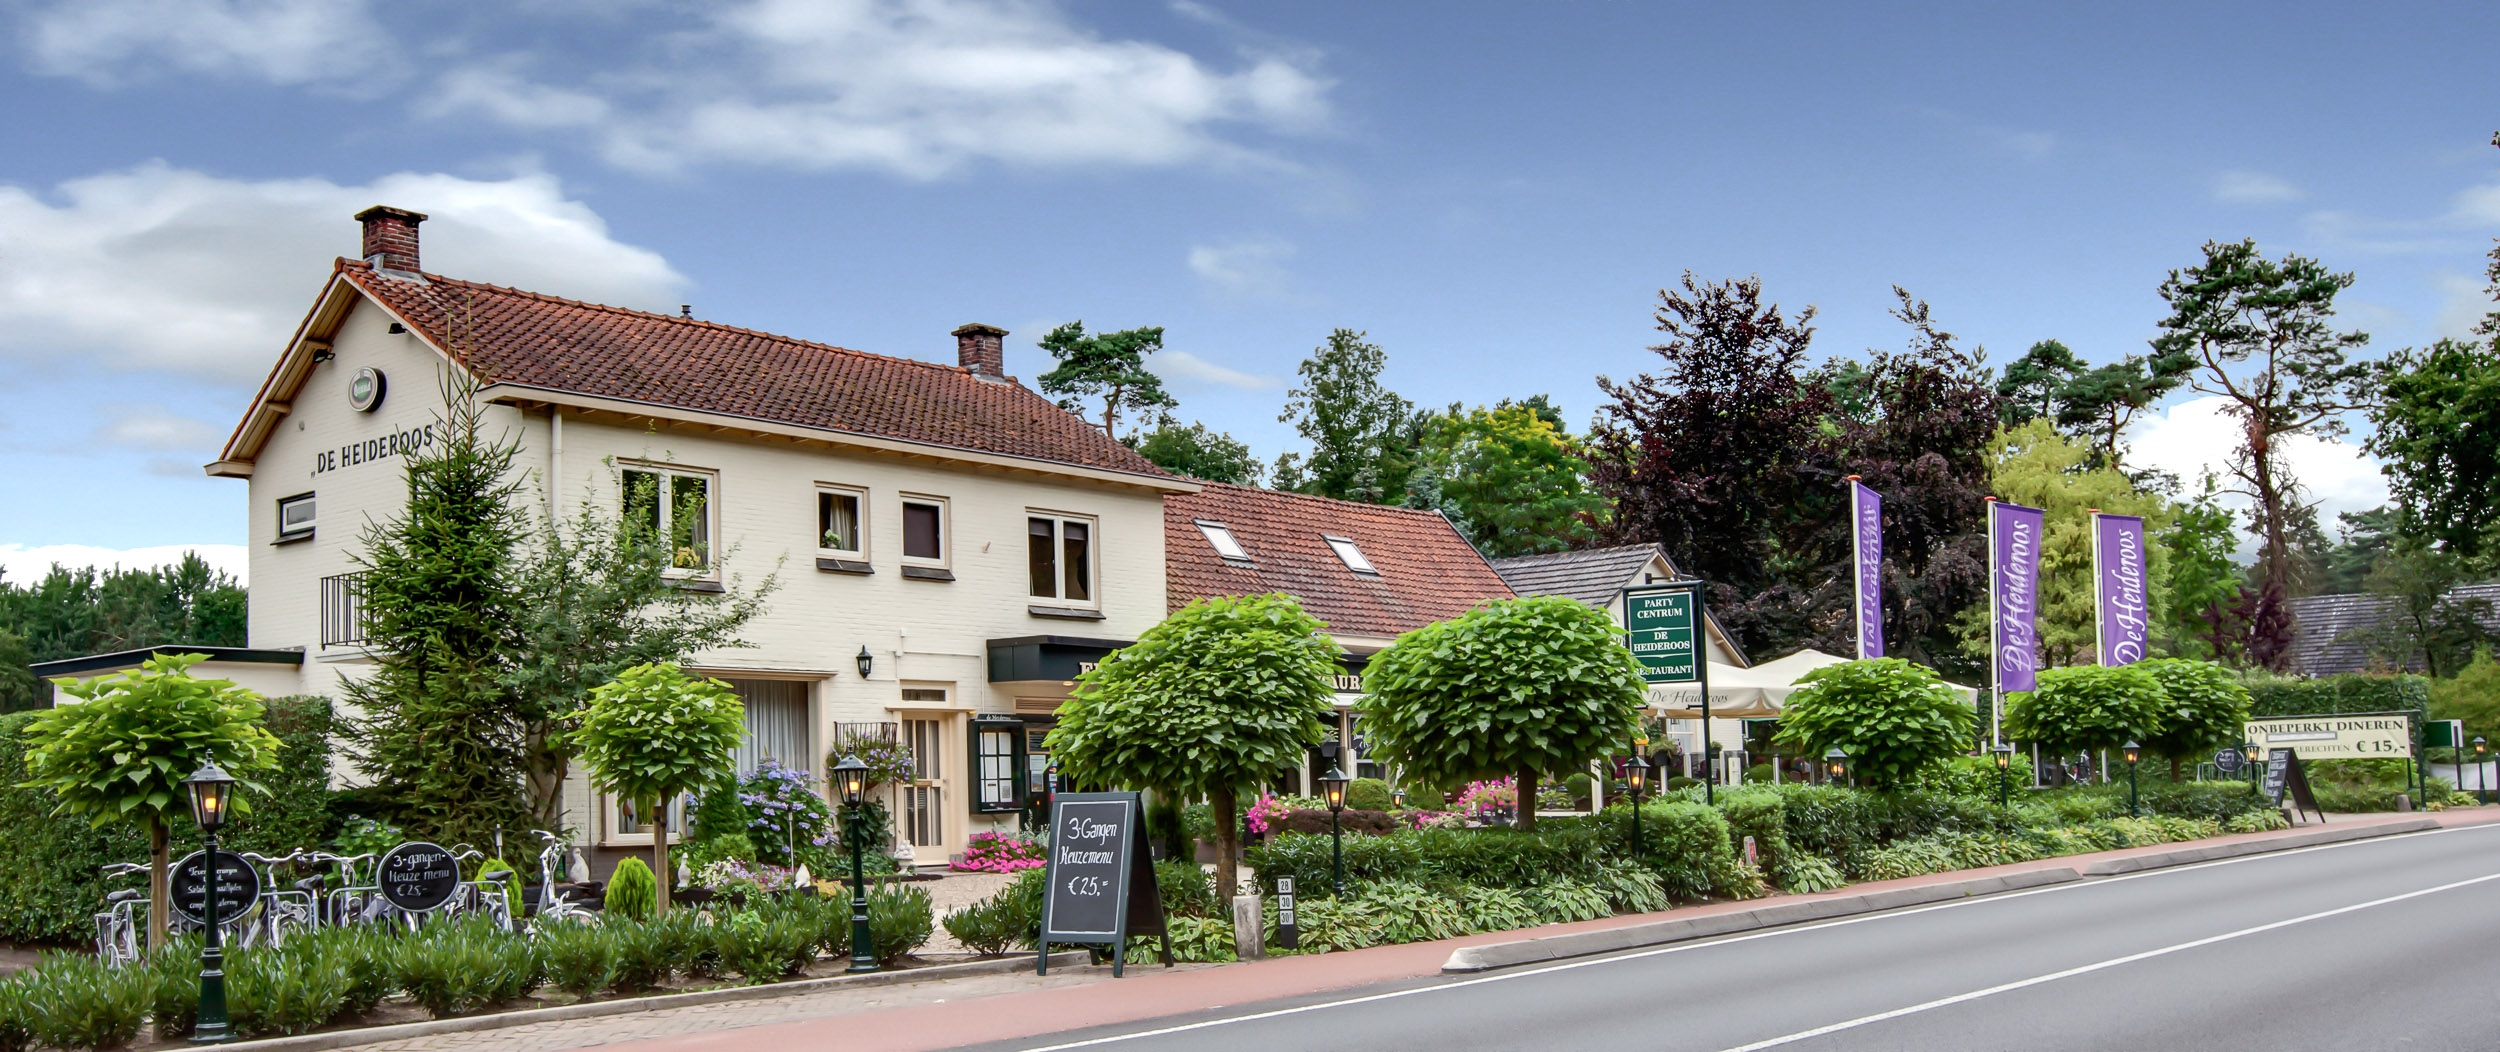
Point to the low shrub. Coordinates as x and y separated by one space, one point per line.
1563 901
288 990
1801 873
900 919
1487 909
74 1001
1763 816
1369 794
1202 939
1908 858
1332 924
1686 844
1350 822
767 943
1186 889
1734 878
175 1005
1000 853
989 927
1629 888
1829 822
1409 912
644 957
466 966
582 958
366 953
14 1037
2256 822
1973 776
632 891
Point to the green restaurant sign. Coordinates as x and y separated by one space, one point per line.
1663 634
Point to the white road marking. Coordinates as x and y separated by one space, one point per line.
2113 962
1683 947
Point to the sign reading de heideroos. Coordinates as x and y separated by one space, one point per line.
1664 635
1096 891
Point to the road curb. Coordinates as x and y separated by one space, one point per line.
2110 867
626 1006
1581 944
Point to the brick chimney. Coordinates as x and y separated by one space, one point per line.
391 237
981 348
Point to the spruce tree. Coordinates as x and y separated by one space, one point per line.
440 733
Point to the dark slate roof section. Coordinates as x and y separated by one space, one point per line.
1592 576
506 335
120 659
2327 627
1427 572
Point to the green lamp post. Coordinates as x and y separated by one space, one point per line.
2134 753
2005 766
1636 773
212 793
1836 766
852 776
2480 748
1332 785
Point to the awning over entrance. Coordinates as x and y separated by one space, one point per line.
1054 659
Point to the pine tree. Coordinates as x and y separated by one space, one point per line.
441 734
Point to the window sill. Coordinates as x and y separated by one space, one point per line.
1063 613
285 539
858 566
697 584
928 573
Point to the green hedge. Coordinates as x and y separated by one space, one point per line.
2270 697
54 859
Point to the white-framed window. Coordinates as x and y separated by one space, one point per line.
841 522
626 822
296 516
1221 537
1059 552
1350 555
674 506
924 530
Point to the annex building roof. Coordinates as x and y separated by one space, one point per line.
2329 629
521 345
1406 568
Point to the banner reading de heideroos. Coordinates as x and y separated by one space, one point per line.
2015 533
2118 568
1866 518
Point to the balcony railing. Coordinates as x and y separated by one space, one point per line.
343 621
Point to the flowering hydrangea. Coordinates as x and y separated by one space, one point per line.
998 853
1489 799
783 810
1433 819
737 875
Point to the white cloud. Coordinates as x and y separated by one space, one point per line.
22 564
2464 302
280 41
1253 267
166 268
919 88
2478 205
2199 434
155 427
2254 188
1182 365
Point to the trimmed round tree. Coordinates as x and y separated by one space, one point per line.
1213 700
1512 687
2205 708
654 734
1891 716
2088 707
124 749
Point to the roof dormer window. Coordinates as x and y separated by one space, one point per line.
1352 556
1222 540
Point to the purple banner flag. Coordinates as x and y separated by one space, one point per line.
2016 533
1866 516
2118 567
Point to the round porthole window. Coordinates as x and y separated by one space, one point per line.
365 391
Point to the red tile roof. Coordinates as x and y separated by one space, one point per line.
509 336
1427 573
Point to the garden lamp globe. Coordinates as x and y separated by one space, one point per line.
2132 752
851 776
212 793
2005 756
1636 772
2480 747
1399 798
1836 762
1332 786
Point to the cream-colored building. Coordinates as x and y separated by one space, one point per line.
949 545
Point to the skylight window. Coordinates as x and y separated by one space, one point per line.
1352 555
1223 541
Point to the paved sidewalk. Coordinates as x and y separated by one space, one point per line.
926 1016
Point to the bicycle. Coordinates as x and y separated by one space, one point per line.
125 913
554 906
283 910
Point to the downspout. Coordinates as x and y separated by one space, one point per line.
555 465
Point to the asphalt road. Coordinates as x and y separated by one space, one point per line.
2390 943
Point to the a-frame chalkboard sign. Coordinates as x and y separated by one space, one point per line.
1096 890
2284 773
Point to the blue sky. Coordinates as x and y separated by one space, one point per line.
1494 192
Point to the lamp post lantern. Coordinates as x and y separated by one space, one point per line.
1636 774
2005 765
2133 753
2248 759
1332 785
212 794
1399 798
2480 748
851 777
867 661
1836 765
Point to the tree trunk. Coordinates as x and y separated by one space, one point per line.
2174 769
1225 803
160 880
659 858
1527 798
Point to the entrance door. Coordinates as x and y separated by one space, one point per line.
924 797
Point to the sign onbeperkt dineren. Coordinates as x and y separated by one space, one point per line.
2348 736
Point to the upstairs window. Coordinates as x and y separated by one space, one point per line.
1222 539
1060 556
296 515
924 529
839 530
672 507
1351 555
